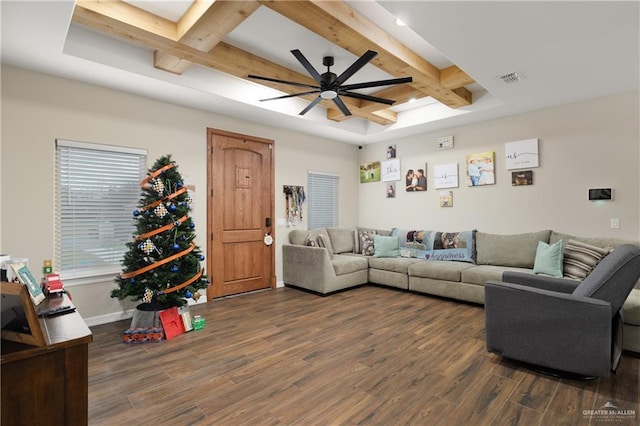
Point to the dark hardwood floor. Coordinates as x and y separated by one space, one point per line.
370 355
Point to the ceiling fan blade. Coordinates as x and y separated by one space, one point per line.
291 96
366 97
275 80
376 83
311 105
341 105
355 67
307 65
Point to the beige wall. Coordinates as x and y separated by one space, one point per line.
589 144
585 145
38 108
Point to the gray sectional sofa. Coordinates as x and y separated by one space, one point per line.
339 265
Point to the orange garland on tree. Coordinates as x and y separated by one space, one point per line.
158 263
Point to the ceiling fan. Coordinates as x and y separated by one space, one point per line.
331 86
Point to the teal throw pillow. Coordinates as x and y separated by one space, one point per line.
549 259
386 246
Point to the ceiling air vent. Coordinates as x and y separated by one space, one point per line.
510 78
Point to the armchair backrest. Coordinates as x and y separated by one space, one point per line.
614 277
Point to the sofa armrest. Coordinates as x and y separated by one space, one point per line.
561 285
305 266
547 328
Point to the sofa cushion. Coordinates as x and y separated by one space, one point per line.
599 242
441 270
341 239
580 258
386 246
631 308
325 242
479 274
517 250
298 236
392 264
548 259
344 264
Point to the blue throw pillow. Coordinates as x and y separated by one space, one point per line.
386 246
549 259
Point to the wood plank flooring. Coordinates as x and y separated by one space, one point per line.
370 356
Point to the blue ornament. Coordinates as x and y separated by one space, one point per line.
136 213
179 184
147 213
192 225
175 246
188 294
172 207
175 268
202 257
132 280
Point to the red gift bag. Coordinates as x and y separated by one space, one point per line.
171 322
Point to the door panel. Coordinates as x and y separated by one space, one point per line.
240 182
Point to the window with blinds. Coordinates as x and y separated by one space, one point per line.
322 199
96 191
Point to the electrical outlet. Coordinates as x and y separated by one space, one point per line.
615 223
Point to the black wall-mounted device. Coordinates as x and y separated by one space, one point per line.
600 194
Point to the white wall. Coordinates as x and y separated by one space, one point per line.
38 108
585 145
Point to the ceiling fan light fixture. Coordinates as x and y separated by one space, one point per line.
329 94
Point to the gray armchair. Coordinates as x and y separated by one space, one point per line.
561 324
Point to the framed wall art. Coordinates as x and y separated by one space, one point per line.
521 154
370 172
416 179
390 170
445 176
480 169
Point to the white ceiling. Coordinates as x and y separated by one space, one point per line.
565 51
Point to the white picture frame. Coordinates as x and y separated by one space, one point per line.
390 170
522 154
445 176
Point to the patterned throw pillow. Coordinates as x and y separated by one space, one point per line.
367 246
580 259
308 241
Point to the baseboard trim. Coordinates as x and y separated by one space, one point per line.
107 318
118 316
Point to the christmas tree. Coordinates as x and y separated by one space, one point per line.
162 266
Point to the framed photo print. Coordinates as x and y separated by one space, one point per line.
480 169
416 179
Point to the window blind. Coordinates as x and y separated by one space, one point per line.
322 198
96 191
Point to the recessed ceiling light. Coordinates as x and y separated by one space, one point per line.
400 22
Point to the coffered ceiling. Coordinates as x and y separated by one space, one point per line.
200 53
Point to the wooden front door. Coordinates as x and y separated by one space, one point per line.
240 213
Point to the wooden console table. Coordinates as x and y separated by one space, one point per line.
48 385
